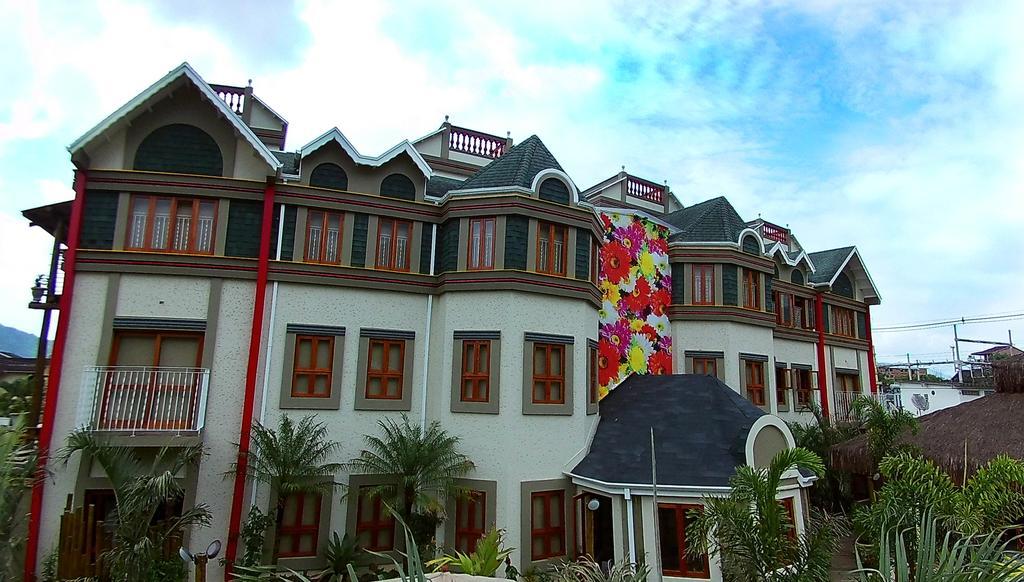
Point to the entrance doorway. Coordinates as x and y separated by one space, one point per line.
594 527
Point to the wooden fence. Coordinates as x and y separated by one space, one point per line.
82 543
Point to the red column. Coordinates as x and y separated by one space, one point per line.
255 343
53 387
872 373
819 322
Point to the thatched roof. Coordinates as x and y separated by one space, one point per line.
989 426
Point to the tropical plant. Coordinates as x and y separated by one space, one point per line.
484 560
342 552
973 558
141 488
253 535
587 570
412 557
425 465
294 458
16 396
991 499
883 427
266 574
832 491
17 471
751 531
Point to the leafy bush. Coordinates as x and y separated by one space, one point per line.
587 570
341 553
253 534
483 561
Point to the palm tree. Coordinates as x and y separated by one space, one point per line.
425 463
832 491
294 458
141 488
882 426
17 471
751 531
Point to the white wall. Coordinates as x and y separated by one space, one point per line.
939 396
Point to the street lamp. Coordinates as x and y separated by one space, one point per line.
200 559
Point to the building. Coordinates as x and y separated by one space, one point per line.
214 280
920 398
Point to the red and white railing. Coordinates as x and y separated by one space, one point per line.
144 399
776 233
475 143
644 190
842 407
234 97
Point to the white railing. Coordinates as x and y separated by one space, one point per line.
141 399
842 406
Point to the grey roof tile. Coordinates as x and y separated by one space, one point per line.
713 220
827 263
290 161
700 427
518 167
438 186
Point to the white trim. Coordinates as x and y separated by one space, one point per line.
635 211
269 108
710 243
489 190
552 172
334 134
642 488
183 70
428 136
778 247
757 236
760 423
871 282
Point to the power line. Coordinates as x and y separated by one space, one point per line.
943 319
938 324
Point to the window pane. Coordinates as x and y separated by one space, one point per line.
182 225
555 511
539 392
489 243
394 388
556 391
323 354
301 384
140 208
540 367
376 355
474 244
304 353
483 360
669 534
204 230
179 351
161 223
373 387
320 385
395 357
538 512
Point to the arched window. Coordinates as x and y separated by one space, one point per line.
750 245
797 277
398 186
328 175
843 286
181 149
554 190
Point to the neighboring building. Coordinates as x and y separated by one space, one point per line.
214 280
14 367
996 353
922 398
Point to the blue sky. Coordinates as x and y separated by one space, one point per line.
895 126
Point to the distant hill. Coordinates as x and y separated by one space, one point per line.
18 342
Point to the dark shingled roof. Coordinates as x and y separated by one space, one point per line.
711 220
439 185
518 167
827 263
290 161
701 428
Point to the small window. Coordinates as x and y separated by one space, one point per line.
551 244
476 370
481 244
173 225
375 527
328 175
323 237
849 383
299 529
705 366
703 284
842 322
755 382
470 520
782 387
548 373
592 382
547 524
313 363
398 186
393 247
751 289
803 387
385 368
595 251
673 521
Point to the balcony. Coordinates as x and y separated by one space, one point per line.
476 143
139 400
644 190
842 408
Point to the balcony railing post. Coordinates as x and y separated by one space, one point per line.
139 399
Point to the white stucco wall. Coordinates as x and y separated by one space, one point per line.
731 339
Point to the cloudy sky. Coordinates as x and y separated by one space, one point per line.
895 126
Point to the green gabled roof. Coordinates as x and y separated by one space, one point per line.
827 263
518 167
713 220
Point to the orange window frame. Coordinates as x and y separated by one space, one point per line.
549 230
803 387
849 383
391 261
469 511
751 289
147 237
545 377
385 373
706 366
781 385
595 252
377 522
485 260
843 322
679 512
322 248
476 371
790 509
755 382
703 294
295 531
544 530
316 369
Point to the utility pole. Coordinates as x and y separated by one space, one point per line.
956 353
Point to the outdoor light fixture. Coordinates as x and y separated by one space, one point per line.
200 559
593 504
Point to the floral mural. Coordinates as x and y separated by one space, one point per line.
636 289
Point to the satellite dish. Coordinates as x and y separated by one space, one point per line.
185 555
920 401
213 549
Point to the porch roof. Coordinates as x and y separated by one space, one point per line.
700 427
